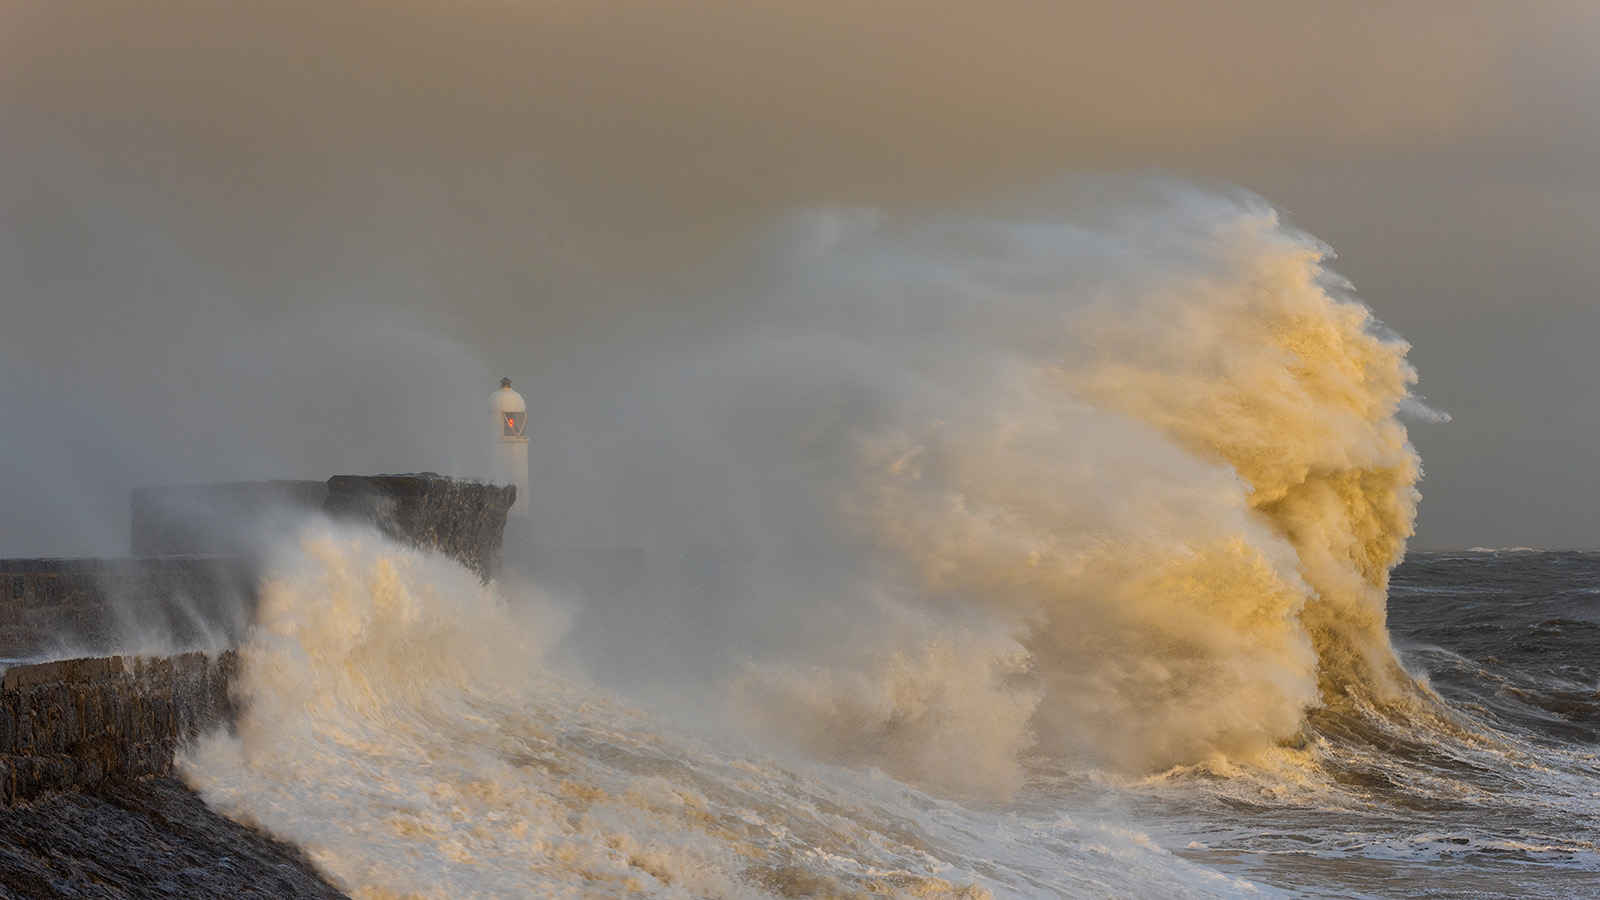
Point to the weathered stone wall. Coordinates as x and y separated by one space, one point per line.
50 607
71 724
464 520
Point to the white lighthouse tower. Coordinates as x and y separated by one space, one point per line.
509 455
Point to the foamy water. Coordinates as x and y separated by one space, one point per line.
401 730
1060 551
1143 489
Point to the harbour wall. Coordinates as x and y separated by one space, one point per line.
71 724
464 520
55 608
150 636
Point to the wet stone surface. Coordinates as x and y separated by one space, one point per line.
143 839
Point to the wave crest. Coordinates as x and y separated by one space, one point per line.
1160 451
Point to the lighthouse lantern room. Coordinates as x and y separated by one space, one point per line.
509 452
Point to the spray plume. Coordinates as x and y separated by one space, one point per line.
1132 481
1116 479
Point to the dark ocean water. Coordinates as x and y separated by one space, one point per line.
1493 793
1510 638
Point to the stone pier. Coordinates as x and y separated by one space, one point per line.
78 708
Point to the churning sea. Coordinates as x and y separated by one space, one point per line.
388 738
1497 797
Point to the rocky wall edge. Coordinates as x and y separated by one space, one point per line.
71 724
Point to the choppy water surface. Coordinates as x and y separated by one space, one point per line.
1496 793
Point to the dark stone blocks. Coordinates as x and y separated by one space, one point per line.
71 724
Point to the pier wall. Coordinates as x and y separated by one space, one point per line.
192 581
70 723
464 520
50 608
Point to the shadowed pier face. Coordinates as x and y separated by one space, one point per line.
464 520
72 724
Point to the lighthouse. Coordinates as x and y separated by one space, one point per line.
508 459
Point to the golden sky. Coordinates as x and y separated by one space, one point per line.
300 156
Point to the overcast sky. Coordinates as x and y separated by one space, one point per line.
221 224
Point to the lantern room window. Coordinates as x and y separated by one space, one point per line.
512 423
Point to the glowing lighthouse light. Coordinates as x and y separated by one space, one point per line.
509 454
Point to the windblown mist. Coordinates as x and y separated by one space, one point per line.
1115 480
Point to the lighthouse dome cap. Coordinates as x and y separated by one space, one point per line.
507 400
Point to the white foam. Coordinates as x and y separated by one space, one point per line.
399 728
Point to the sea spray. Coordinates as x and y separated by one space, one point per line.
398 726
1106 487
1138 477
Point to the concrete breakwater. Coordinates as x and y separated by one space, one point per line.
107 715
